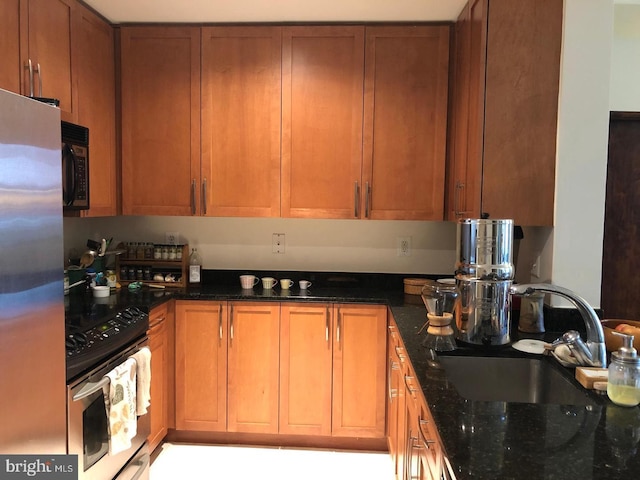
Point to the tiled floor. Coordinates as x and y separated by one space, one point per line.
194 462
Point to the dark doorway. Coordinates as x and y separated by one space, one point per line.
620 292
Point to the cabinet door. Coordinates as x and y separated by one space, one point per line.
201 365
465 156
46 39
396 403
159 346
305 369
241 70
359 371
10 66
160 77
254 334
95 69
322 98
521 110
405 122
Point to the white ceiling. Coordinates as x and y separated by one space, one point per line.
213 11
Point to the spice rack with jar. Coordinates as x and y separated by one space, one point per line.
166 265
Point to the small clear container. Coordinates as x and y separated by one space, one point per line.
623 384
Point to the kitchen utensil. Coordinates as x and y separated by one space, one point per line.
268 282
286 283
248 281
87 258
304 284
441 300
530 346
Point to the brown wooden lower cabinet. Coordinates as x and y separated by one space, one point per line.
287 369
160 345
253 357
201 366
414 443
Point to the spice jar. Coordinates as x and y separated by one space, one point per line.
172 252
623 385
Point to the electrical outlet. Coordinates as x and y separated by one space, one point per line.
404 246
535 268
171 238
277 243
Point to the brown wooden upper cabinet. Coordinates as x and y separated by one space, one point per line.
241 121
10 45
96 108
322 78
504 111
46 52
405 122
160 74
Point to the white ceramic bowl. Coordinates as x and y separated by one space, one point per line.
100 291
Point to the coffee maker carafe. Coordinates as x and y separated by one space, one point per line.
484 275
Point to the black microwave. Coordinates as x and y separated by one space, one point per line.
75 167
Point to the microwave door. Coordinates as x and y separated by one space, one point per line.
69 169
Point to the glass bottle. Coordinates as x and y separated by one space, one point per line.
623 385
195 266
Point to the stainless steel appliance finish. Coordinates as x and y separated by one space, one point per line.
484 274
32 358
75 166
88 429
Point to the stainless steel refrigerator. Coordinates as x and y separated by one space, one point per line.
32 352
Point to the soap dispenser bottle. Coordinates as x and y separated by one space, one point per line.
623 386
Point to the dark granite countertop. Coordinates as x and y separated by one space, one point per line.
483 440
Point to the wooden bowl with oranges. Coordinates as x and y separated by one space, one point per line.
628 327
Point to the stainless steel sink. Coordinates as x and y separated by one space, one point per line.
523 380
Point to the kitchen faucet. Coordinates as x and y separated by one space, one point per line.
594 354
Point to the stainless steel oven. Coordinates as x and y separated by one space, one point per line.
88 430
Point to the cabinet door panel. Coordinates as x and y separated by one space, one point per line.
96 108
406 94
160 120
49 44
10 66
305 370
159 346
241 120
201 365
359 371
322 78
254 330
521 123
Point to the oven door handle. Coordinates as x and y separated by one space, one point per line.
91 388
141 463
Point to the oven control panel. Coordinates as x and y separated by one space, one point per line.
87 347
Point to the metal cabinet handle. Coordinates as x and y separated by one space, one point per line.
392 366
356 193
29 66
422 437
326 330
231 322
411 446
411 389
456 198
204 196
193 197
400 353
220 321
338 327
39 70
367 201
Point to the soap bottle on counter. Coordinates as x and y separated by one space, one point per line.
195 266
623 386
